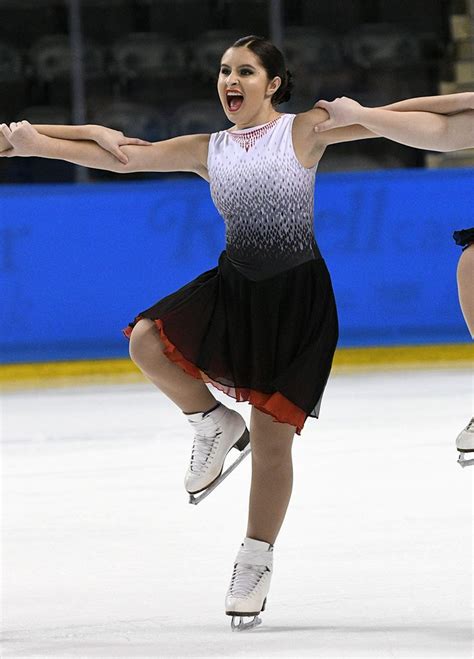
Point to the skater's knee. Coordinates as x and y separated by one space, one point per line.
465 269
271 441
271 455
145 342
465 277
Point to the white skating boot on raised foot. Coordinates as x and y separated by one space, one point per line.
216 433
465 444
250 583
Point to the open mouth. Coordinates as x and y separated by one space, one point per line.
234 100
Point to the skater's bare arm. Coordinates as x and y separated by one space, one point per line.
187 153
441 104
445 104
108 138
422 130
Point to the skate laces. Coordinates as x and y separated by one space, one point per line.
204 445
245 579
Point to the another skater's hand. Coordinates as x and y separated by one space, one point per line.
111 140
24 140
342 112
4 143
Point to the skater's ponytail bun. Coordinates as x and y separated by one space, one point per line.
273 62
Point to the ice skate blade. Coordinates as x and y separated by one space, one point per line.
244 626
196 499
463 461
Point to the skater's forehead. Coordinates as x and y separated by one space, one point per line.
240 57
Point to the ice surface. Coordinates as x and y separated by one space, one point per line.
104 557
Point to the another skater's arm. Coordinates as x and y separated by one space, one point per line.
108 138
440 104
422 130
187 153
446 104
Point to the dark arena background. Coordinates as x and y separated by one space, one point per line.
101 556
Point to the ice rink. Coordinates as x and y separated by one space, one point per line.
104 557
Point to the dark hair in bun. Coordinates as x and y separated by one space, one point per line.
273 62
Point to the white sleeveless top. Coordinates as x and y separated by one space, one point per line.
265 196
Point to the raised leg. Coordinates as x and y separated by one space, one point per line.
465 277
272 475
147 352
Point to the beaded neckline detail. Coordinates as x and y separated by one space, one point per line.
248 137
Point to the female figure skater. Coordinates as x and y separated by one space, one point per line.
262 325
429 131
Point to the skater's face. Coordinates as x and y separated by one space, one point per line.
244 88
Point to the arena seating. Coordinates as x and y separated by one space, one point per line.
45 114
208 51
382 46
147 55
133 119
50 59
199 117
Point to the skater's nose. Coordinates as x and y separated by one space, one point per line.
232 79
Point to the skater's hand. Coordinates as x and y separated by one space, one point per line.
111 140
342 112
4 143
22 138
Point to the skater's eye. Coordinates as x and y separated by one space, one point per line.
244 71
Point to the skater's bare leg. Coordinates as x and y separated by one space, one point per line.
465 276
272 475
146 350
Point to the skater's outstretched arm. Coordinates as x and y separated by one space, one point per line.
422 130
109 139
444 104
187 153
441 104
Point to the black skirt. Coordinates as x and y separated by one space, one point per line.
464 237
268 342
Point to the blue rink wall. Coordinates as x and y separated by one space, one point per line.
79 261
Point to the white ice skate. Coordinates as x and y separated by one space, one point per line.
216 433
250 583
465 444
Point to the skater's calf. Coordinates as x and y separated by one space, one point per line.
147 352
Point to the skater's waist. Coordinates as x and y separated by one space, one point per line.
261 266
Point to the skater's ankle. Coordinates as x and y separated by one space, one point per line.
206 411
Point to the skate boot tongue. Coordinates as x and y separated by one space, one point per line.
250 543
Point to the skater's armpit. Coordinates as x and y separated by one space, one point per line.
187 153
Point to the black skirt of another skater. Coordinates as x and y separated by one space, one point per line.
275 335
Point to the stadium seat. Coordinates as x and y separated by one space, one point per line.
385 46
146 55
24 21
182 19
208 51
105 21
199 117
50 59
133 119
310 50
10 63
45 114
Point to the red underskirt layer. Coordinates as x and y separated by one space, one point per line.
276 405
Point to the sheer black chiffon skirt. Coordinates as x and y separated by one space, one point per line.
268 342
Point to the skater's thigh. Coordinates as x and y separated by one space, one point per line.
145 341
465 276
268 437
